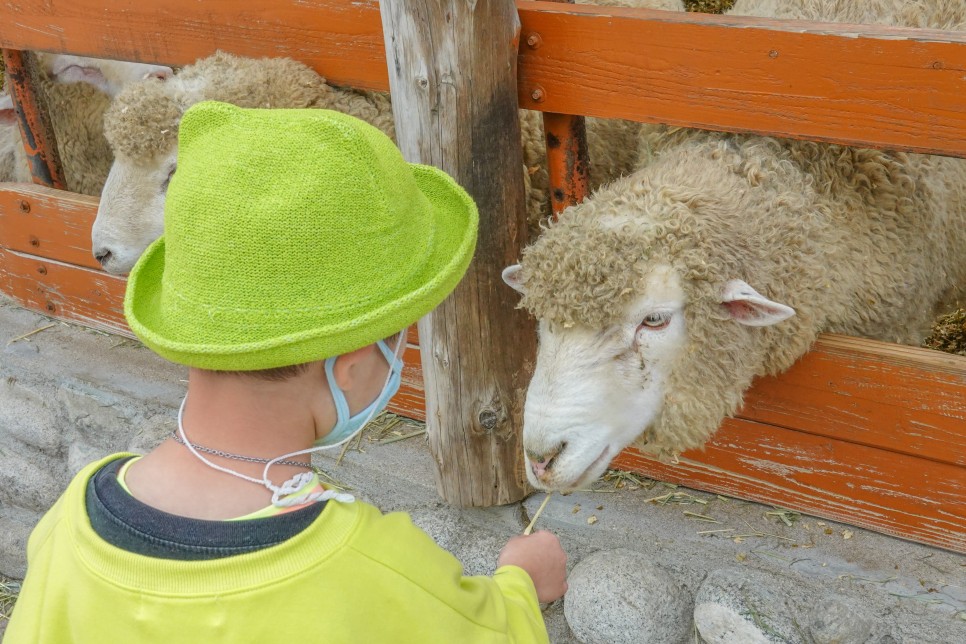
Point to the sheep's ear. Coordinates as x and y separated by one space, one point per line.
513 276
7 114
78 73
747 306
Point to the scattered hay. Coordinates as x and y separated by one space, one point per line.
949 334
9 589
788 517
708 6
628 480
388 427
27 335
700 517
536 516
675 497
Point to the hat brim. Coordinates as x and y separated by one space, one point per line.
455 221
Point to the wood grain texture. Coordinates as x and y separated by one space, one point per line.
341 40
901 495
868 86
48 223
861 85
92 298
452 77
896 398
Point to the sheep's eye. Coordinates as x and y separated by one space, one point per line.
655 321
167 180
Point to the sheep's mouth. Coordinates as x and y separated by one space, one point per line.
582 479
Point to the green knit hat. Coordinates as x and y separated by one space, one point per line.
291 236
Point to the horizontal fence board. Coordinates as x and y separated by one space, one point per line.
47 222
341 40
63 291
893 397
867 86
897 494
861 85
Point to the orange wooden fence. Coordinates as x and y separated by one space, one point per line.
860 431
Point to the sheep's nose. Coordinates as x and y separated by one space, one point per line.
102 255
540 464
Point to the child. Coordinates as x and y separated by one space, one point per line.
298 248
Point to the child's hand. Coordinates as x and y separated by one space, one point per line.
541 555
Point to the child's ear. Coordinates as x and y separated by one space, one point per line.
347 367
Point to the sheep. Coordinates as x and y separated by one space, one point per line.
77 91
720 259
142 125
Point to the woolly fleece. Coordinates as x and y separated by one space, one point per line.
77 118
860 242
142 121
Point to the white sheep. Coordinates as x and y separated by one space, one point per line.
142 127
77 91
663 295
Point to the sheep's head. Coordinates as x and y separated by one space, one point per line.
142 127
626 335
109 76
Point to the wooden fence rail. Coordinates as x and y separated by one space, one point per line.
864 432
858 85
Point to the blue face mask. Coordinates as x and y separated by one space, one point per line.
348 426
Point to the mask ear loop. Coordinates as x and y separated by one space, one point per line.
294 484
204 460
278 492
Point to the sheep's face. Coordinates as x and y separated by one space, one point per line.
595 390
131 212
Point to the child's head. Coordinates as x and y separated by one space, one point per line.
292 236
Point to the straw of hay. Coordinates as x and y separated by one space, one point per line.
949 334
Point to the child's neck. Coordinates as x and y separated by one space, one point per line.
240 416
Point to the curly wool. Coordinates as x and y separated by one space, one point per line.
924 14
142 122
861 242
76 116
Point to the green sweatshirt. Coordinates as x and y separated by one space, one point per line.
354 575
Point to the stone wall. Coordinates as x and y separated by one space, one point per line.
69 396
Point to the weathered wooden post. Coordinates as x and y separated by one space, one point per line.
452 75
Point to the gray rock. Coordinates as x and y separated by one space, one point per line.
98 417
16 525
477 550
618 596
839 620
150 433
734 606
26 415
29 478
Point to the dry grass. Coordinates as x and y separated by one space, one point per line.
708 6
9 589
949 334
